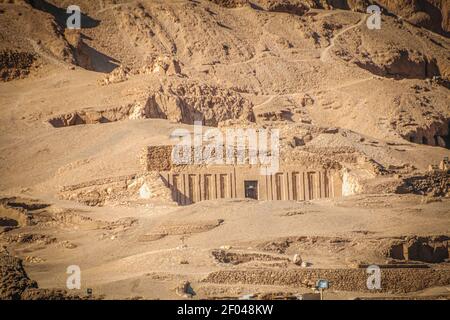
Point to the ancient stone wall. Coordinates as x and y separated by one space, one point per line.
191 185
156 158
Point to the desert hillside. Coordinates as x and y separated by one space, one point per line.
79 106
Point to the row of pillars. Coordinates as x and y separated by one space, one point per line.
191 187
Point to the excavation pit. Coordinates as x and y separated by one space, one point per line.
421 249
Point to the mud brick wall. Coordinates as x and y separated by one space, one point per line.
392 280
157 158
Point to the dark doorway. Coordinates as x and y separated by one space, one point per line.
447 137
251 189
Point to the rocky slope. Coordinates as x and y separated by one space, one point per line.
301 66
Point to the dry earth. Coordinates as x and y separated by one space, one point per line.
78 107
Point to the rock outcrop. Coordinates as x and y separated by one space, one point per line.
189 102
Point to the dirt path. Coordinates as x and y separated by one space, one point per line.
324 56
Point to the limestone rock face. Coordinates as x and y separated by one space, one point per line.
189 102
430 14
166 106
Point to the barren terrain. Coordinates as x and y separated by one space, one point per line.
79 106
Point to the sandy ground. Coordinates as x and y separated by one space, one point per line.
128 257
381 95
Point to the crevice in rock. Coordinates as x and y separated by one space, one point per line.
437 134
424 249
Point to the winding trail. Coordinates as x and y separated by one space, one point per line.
325 56
271 97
